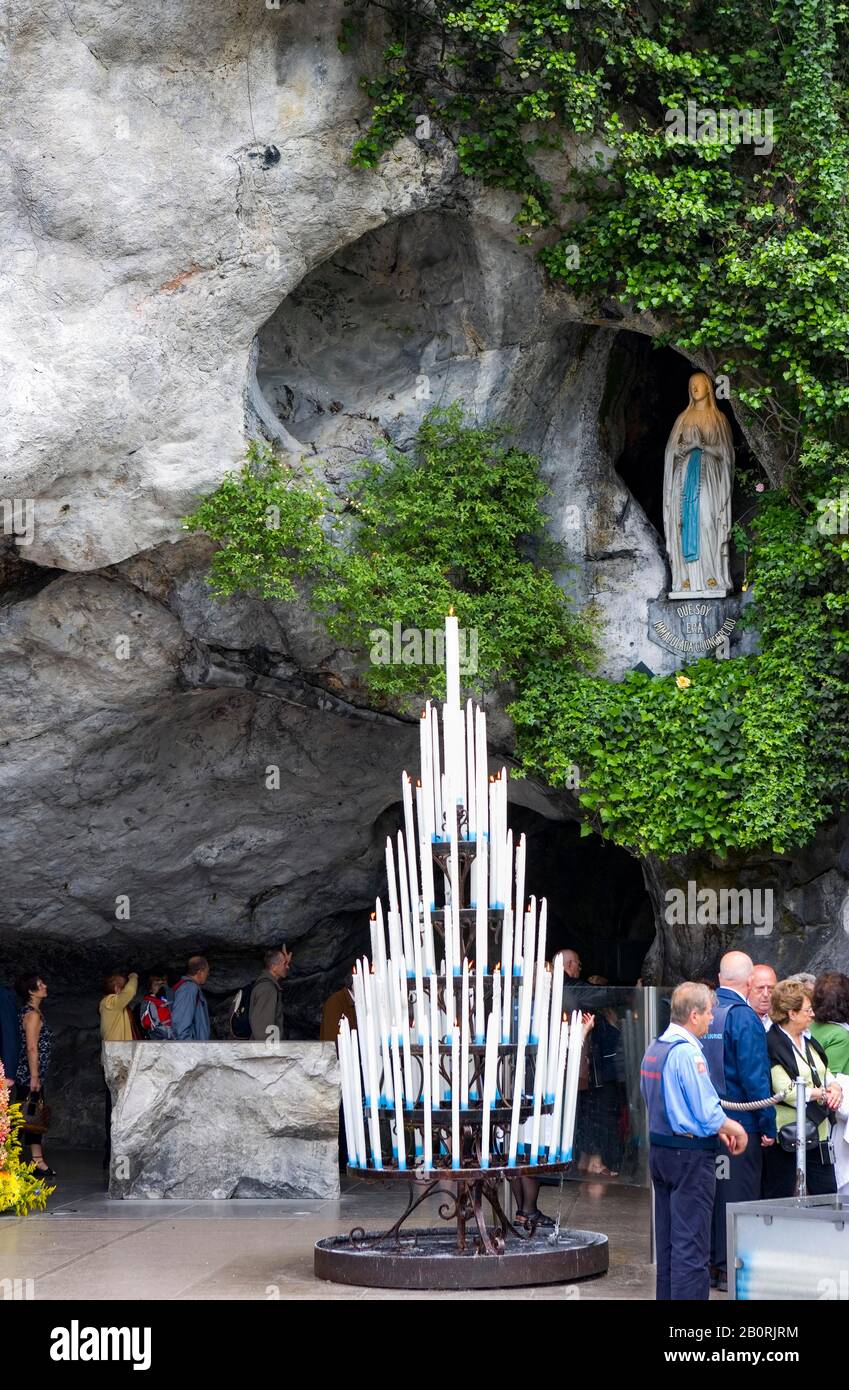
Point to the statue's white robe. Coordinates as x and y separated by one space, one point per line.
710 573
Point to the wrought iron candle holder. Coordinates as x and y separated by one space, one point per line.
458 1076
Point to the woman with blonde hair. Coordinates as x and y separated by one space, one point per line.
792 1055
697 480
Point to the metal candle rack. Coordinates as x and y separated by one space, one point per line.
399 1124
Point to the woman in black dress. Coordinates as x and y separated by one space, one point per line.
35 1055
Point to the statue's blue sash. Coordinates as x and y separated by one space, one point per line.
690 507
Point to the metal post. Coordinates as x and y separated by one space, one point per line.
650 997
801 1152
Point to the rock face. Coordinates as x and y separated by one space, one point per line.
220 1120
793 915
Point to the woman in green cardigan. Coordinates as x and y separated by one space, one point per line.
830 1002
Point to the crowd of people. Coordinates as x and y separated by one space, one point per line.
745 1043
163 1012
743 1039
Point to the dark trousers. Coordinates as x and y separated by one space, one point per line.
738 1179
780 1173
684 1181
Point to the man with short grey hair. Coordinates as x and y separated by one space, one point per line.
735 1051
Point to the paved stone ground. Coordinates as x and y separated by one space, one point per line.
88 1247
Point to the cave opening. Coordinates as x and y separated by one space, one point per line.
598 904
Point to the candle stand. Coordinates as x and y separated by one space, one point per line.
459 1074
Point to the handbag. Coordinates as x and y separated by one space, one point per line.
36 1114
787 1136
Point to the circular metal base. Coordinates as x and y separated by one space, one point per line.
429 1259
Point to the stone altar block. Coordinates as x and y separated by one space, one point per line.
223 1119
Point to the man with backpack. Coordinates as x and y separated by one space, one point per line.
266 1000
155 1013
190 1015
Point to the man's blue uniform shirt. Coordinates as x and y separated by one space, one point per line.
689 1095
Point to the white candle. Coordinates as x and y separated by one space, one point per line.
455 1097
559 1084
406 925
452 661
395 943
519 900
387 1099
399 1147
573 1067
437 776
419 978
402 1015
426 763
481 791
493 845
428 900
540 1004
374 1072
410 841
496 1008
555 1012
359 1124
507 950
489 1086
470 774
504 865
481 942
347 1102
540 1068
380 937
464 1038
427 1103
454 870
434 1038
529 948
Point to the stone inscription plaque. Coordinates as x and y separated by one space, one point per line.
696 627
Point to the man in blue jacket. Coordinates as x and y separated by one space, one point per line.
189 1012
736 1054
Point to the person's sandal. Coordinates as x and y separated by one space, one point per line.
533 1220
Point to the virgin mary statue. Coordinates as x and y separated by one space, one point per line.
697 496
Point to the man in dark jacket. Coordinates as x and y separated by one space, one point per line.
736 1054
266 1009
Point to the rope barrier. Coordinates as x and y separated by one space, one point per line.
777 1099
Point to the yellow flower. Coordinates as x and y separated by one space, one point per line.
683 682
